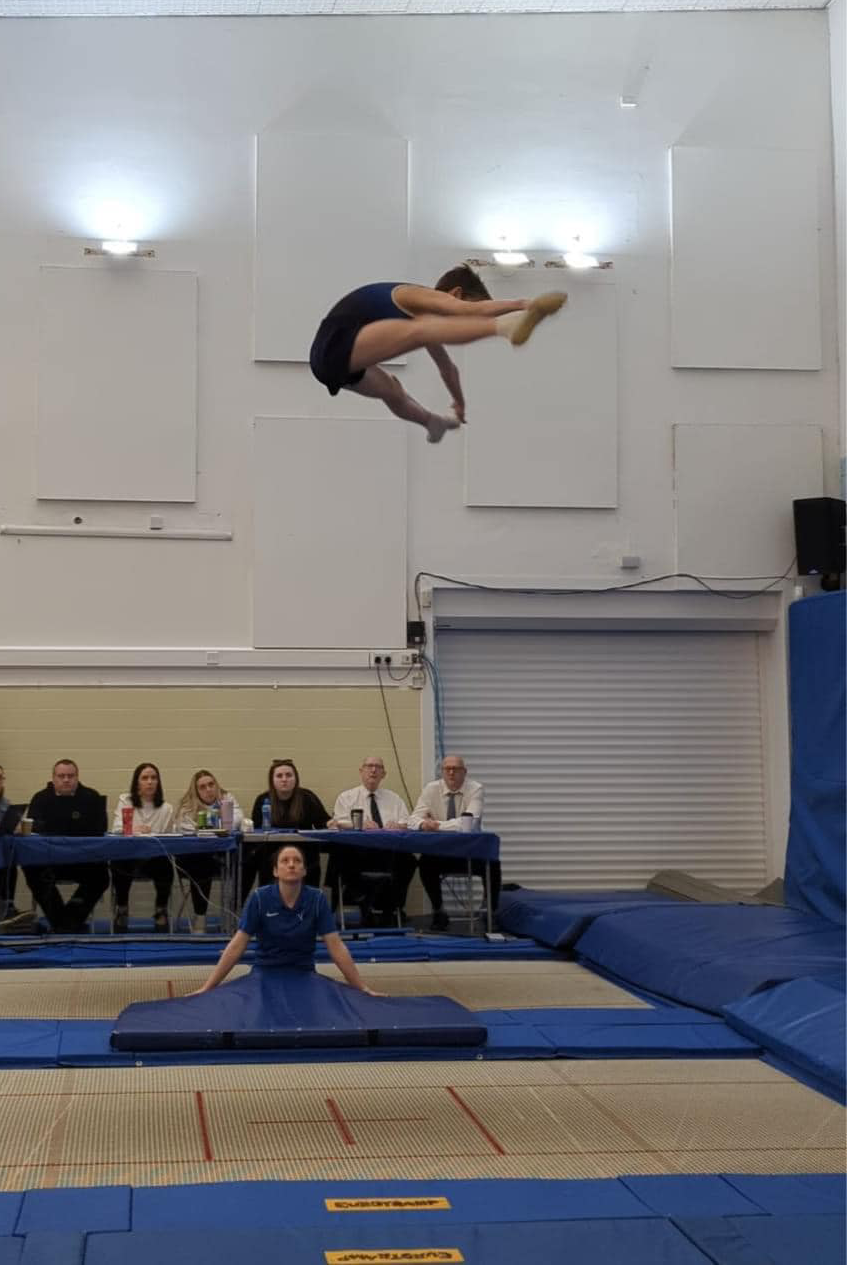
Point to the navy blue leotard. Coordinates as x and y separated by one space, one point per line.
330 353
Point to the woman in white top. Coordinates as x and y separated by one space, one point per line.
150 816
204 791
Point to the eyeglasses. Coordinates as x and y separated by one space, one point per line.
376 768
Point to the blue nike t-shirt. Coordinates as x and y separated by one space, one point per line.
286 937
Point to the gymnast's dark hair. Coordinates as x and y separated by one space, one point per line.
468 281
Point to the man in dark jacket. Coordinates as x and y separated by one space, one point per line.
65 807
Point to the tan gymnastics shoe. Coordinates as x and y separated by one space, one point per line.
544 305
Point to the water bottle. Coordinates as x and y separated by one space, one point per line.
266 815
227 813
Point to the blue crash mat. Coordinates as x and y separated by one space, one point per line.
803 1023
30 951
710 955
265 1205
53 1247
88 1209
788 1193
776 1240
612 1032
279 1008
558 919
647 1241
817 849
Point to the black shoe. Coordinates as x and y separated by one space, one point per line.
440 921
120 922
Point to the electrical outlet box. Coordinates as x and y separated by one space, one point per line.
394 658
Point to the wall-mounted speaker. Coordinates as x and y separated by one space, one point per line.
819 535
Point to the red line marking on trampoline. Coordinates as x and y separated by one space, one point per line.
349 1120
489 1137
170 985
335 1112
204 1130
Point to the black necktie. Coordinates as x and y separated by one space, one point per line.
451 806
375 816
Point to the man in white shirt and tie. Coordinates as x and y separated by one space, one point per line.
381 810
440 807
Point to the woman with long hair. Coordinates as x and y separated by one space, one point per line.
151 815
292 807
204 792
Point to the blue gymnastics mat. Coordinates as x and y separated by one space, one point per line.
558 919
817 848
267 1205
708 956
776 1240
662 1220
803 1023
285 1008
648 1241
619 1033
28 952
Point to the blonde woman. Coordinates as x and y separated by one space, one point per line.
204 792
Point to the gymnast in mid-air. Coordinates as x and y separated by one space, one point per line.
388 319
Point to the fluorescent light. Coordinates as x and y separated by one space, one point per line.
510 258
576 259
119 248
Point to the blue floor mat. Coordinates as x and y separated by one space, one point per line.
804 1024
285 1008
636 1033
708 956
265 1205
28 952
789 1193
776 1240
618 1242
558 919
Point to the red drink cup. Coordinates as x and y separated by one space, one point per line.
126 818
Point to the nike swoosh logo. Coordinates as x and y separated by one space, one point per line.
272 915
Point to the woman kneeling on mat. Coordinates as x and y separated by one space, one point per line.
287 917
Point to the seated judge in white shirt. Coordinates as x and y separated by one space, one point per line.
440 807
381 810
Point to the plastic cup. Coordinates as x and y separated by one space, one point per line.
26 825
357 818
466 823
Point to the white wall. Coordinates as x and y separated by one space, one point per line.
512 117
837 15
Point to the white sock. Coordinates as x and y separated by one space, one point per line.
506 323
436 426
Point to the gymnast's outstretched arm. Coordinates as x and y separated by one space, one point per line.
340 954
230 957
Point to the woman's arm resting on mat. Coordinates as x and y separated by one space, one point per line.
340 954
230 957
422 301
450 378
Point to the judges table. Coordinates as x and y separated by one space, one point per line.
477 845
56 850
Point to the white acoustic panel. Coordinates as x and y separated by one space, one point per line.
329 533
542 418
734 490
331 215
117 384
745 288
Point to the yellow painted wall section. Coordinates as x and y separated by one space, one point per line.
234 732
